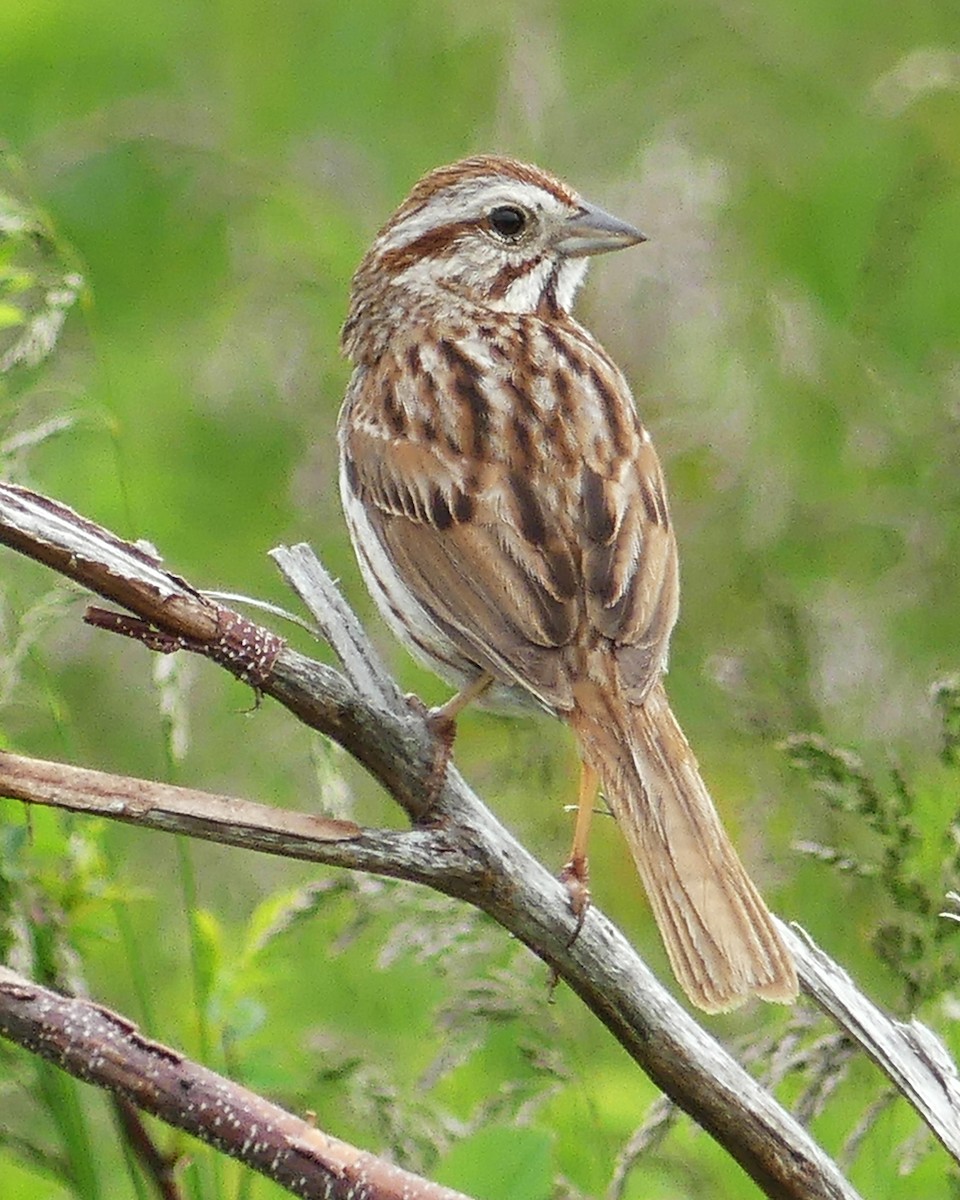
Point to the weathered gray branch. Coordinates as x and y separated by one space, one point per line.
916 1062
455 844
100 1047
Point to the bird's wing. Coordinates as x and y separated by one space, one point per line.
525 518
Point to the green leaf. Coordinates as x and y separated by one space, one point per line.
10 316
208 936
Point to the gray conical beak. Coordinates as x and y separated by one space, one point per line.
593 231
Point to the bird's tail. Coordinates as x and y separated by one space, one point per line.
721 940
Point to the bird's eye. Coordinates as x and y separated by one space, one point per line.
508 221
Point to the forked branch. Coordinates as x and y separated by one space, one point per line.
455 845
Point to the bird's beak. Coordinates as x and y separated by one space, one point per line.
593 231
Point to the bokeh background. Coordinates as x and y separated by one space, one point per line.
214 171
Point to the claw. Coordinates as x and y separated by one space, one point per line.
575 877
442 723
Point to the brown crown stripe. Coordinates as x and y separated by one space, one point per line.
482 166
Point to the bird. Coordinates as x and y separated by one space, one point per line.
509 516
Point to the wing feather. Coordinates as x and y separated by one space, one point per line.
519 557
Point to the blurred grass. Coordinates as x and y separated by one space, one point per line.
215 172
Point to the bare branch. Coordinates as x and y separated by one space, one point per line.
102 1048
466 853
910 1055
415 854
337 623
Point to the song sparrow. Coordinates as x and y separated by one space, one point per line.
508 512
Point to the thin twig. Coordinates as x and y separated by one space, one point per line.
160 1168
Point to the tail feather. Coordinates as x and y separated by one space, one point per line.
721 940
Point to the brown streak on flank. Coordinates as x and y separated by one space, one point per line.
599 523
414 365
532 524
653 503
493 340
561 346
523 398
466 384
560 430
557 343
612 409
563 575
524 443
440 510
661 501
561 386
428 430
396 417
462 507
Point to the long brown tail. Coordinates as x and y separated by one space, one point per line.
720 937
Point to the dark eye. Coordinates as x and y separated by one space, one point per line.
508 221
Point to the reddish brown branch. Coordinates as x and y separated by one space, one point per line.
133 576
246 649
161 1168
427 856
104 1049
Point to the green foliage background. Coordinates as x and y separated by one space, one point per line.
214 171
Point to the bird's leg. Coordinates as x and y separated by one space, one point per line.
445 715
576 874
442 722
